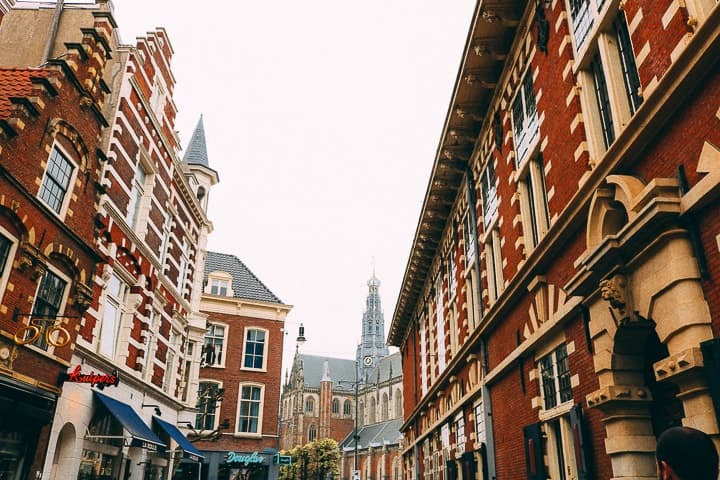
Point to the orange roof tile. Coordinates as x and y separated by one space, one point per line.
16 82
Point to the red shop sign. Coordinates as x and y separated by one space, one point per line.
100 380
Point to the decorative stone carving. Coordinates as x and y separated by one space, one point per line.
618 393
31 259
678 363
8 354
615 291
83 296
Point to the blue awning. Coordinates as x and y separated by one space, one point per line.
189 450
141 434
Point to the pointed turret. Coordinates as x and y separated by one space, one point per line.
196 153
196 165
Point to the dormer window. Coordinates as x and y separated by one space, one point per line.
219 283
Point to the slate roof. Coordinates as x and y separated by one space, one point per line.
245 284
17 83
373 435
340 369
196 153
387 366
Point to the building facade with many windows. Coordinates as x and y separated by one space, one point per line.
560 307
50 125
141 335
236 421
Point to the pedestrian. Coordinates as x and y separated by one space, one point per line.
685 453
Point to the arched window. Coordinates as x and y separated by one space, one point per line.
312 433
309 405
398 404
335 406
361 415
384 407
346 407
371 418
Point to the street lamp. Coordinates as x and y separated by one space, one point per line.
355 384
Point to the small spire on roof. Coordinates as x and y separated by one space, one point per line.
196 153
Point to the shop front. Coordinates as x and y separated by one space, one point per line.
25 415
184 459
224 465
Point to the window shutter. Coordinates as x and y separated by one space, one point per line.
534 452
582 446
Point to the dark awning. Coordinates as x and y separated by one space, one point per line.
189 450
141 434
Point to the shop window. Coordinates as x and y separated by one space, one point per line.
555 378
525 119
335 406
208 405
493 264
309 405
49 299
533 203
254 350
346 407
58 178
114 300
250 409
214 347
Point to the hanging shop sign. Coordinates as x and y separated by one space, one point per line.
99 380
246 458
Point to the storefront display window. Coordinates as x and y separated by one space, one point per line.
12 446
96 466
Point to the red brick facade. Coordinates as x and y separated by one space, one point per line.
595 235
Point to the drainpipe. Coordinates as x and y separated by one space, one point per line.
52 34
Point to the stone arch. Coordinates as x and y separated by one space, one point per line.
10 210
58 126
648 316
63 465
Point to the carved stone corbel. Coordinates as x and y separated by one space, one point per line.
616 292
83 296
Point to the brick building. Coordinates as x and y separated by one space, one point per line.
149 223
50 126
239 383
560 305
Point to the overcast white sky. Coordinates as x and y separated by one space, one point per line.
322 118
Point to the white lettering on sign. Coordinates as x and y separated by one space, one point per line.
247 459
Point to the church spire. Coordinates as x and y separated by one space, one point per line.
372 345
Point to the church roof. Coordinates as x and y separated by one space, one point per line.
387 366
244 282
340 369
196 153
383 433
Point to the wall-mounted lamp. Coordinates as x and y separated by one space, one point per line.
156 407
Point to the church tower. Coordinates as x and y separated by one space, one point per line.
372 346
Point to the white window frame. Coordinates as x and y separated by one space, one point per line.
526 131
170 376
479 413
261 404
440 326
219 277
7 268
460 437
493 264
216 419
118 300
183 267
69 188
265 344
488 192
423 355
534 209
49 348
222 354
560 440
559 403
601 48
